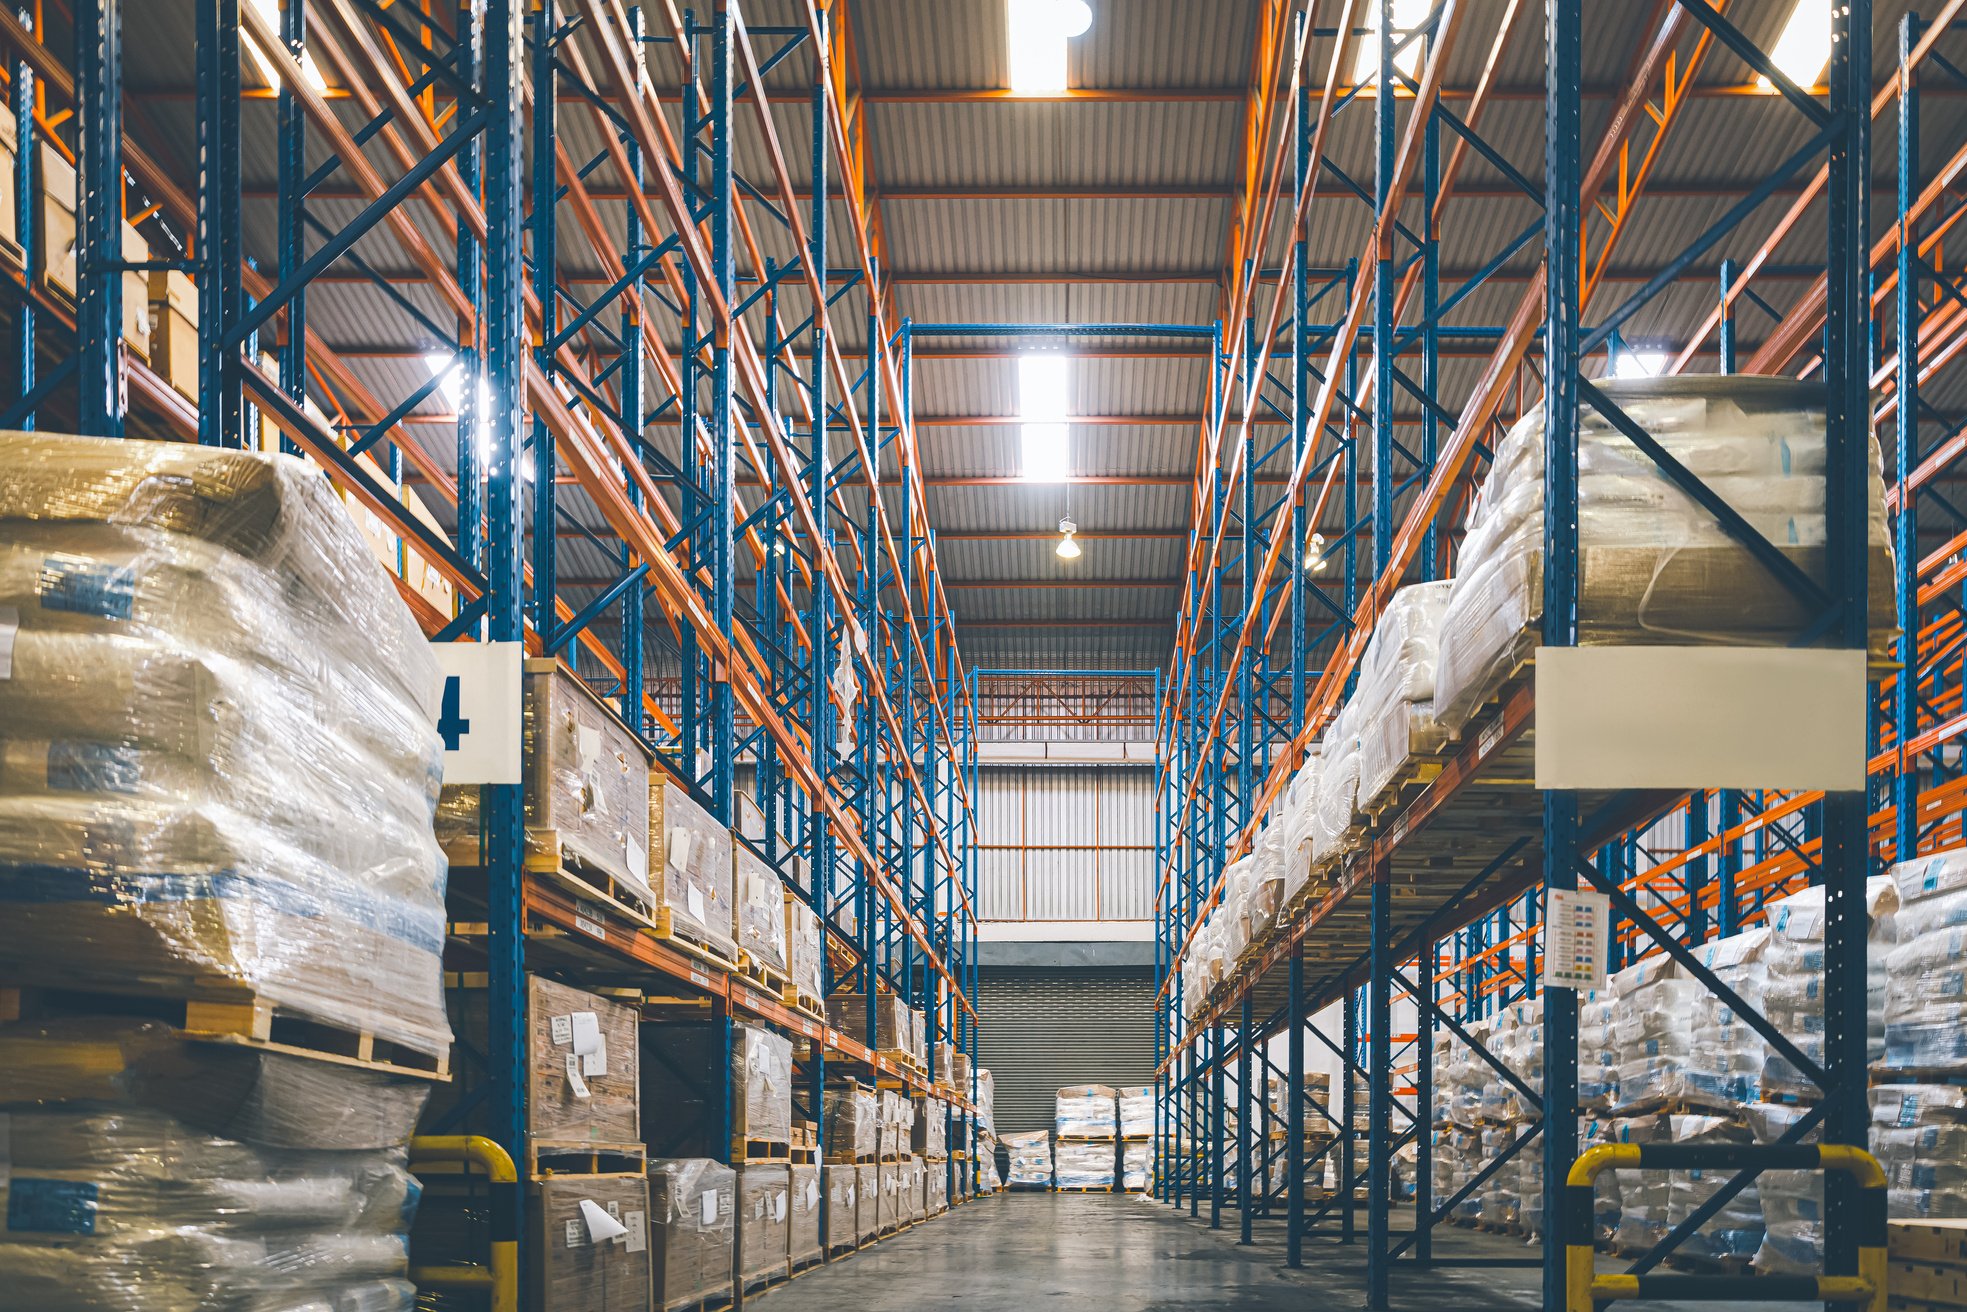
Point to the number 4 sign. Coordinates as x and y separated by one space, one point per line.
478 714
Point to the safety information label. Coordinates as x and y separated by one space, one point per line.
1577 923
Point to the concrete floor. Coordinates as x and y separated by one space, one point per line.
1022 1252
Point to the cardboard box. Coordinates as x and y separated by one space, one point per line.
587 782
571 1268
805 950
807 1195
1928 1283
889 1179
867 1208
681 1071
840 1217
692 1229
929 1136
56 251
764 1222
847 1012
690 866
174 330
852 1127
569 1033
1932 1240
9 148
757 909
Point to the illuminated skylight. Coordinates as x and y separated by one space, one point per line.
1037 31
1042 383
1802 52
1407 15
1638 364
269 10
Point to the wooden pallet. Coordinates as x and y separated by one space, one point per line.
1082 1188
797 999
664 926
1414 774
551 1157
799 1266
834 1158
568 867
702 1303
841 1250
747 1151
768 976
1086 1138
901 1057
242 1019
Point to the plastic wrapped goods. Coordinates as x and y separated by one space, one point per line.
1792 995
1924 1007
1084 1165
986 1099
1736 1230
590 1248
758 921
805 951
847 1012
1136 1165
690 866
840 1227
867 1208
1395 691
147 1172
1645 1197
853 1123
1919 1135
1031 1159
1086 1111
221 754
1725 1061
1136 1110
764 1223
583 1073
1654 567
1334 806
1653 1020
1792 1201
803 1231
692 1228
587 781
761 1087
1598 1058
929 1136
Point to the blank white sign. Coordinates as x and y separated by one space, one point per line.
1700 717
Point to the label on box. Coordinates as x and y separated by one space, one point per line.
586 1028
576 1233
563 1030
778 1207
9 628
595 1064
574 1076
637 1238
812 1194
679 849
694 898
707 1207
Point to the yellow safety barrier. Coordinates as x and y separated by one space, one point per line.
1584 1288
501 1276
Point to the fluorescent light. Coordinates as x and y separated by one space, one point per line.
1036 32
269 11
1407 15
1802 52
1047 453
1638 364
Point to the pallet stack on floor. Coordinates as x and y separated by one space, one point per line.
1086 1124
223 901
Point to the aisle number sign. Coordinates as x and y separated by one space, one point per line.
1577 923
478 714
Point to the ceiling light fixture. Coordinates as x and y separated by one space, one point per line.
1407 15
1037 31
1802 52
1067 548
1045 434
1638 364
1315 554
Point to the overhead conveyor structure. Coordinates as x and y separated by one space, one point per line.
1435 910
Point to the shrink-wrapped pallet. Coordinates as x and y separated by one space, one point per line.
840 1227
847 1012
692 1229
867 1206
1598 1054
587 782
1300 800
1084 1165
804 1187
1136 1106
1085 1111
1136 1164
1645 1197
590 1250
1919 1135
805 950
690 866
149 1173
1030 1159
929 1133
986 1099
1736 1230
1653 1019
1335 804
914 1175
1792 996
764 1221
1395 691
1792 1201
583 1082
853 1123
761 1085
221 755
758 915
1926 999
1654 567
680 1069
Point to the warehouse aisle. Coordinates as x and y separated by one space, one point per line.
1113 1252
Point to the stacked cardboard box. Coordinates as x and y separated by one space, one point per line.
691 868
803 1239
590 1244
692 1230
764 1222
840 1227
1928 1262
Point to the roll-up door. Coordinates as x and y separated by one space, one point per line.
1042 1030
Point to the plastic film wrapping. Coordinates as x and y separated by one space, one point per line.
587 780
847 1012
867 1205
1030 1159
758 918
1136 1165
1136 1107
840 1228
1792 1201
692 1228
691 865
805 1192
1653 566
1334 807
1084 1165
761 1102
853 1122
1927 994
583 1081
148 1172
1793 992
764 1224
1086 1111
1919 1135
574 1265
805 949
930 1135
197 639
986 1099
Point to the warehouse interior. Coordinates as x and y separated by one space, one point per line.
1171 654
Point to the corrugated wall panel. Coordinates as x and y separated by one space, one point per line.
1048 1030
1061 884
1000 808
1000 884
1127 884
1127 808
1066 844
